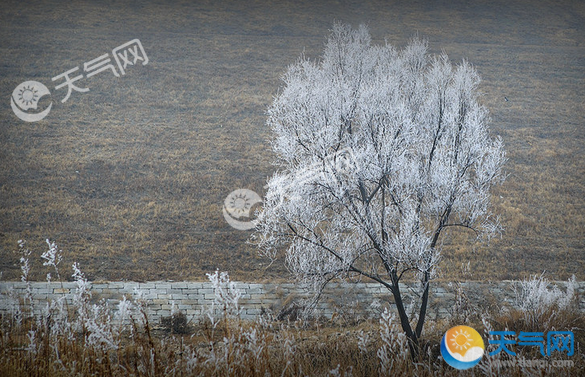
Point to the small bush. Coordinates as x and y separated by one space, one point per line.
176 323
541 304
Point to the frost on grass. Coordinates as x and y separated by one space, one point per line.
226 295
78 337
540 302
394 344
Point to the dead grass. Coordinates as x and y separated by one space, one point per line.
311 348
81 336
130 177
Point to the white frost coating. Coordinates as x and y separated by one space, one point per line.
422 155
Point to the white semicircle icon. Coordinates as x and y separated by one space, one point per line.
240 225
26 116
238 204
26 96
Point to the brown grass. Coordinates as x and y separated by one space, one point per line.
130 177
318 346
81 336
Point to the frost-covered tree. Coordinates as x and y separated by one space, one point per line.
380 150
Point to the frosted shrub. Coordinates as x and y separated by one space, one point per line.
340 373
52 258
57 318
289 350
242 347
394 344
24 274
227 295
81 297
101 334
363 340
124 311
95 321
237 347
32 347
540 304
15 308
488 366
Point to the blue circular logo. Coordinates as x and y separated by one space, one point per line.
462 347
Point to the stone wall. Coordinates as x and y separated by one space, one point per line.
339 299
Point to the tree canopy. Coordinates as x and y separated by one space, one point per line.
379 151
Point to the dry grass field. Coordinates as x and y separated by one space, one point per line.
129 178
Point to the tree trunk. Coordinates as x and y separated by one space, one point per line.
423 306
413 345
412 336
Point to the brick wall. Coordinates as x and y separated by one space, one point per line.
193 298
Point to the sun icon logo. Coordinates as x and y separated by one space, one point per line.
238 204
28 95
460 340
462 347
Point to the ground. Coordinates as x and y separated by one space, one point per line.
129 178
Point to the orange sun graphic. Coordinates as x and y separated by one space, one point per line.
461 340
